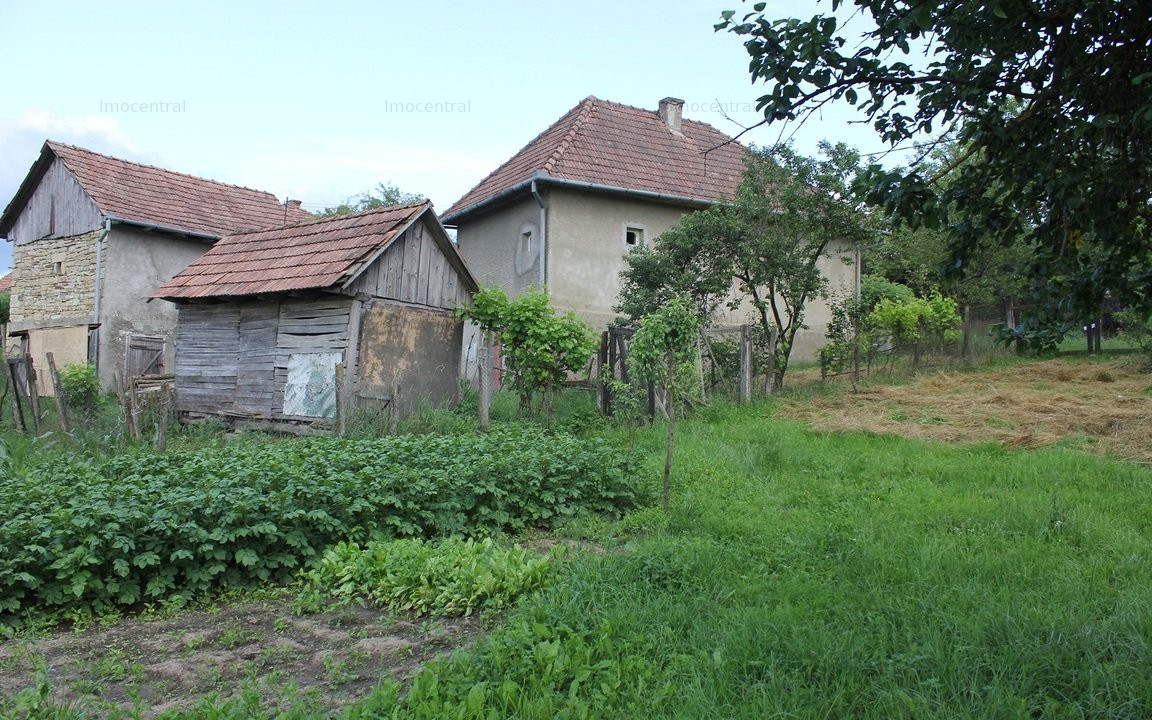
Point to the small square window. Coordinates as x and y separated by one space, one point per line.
57 268
633 236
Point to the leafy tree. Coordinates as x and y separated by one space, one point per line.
767 242
5 306
665 341
1049 98
383 195
539 347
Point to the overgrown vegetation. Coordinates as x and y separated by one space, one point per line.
539 347
81 387
887 315
799 574
83 535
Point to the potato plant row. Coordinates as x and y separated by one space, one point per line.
90 535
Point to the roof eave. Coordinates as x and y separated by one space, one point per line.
450 219
169 229
503 196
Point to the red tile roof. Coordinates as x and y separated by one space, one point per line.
317 254
163 198
6 283
623 147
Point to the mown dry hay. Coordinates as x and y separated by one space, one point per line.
1103 407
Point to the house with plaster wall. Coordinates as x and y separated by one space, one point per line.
93 236
565 210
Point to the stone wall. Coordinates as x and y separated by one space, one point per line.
53 281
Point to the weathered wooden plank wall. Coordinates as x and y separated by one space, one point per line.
414 270
256 369
207 354
59 207
308 326
232 358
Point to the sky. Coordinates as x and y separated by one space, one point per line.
322 101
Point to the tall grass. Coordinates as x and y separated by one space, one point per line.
815 575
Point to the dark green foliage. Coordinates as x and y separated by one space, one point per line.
1034 336
1049 99
5 305
145 527
874 288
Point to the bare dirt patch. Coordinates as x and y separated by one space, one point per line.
1103 407
332 657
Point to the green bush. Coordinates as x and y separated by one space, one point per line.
81 386
452 577
909 322
539 347
87 535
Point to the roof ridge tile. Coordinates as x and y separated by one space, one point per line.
587 113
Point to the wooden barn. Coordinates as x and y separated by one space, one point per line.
283 325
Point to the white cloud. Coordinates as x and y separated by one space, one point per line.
22 136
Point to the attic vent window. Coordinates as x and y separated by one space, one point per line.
633 236
527 254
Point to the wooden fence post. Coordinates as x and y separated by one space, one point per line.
484 408
341 411
33 393
745 364
58 391
602 360
126 403
770 381
162 418
14 383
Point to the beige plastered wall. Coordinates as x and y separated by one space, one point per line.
136 263
586 248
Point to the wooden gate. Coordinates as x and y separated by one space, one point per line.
613 361
144 355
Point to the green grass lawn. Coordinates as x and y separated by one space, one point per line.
807 575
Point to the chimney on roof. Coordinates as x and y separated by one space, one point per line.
670 110
293 203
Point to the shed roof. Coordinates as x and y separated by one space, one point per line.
320 254
152 196
612 145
